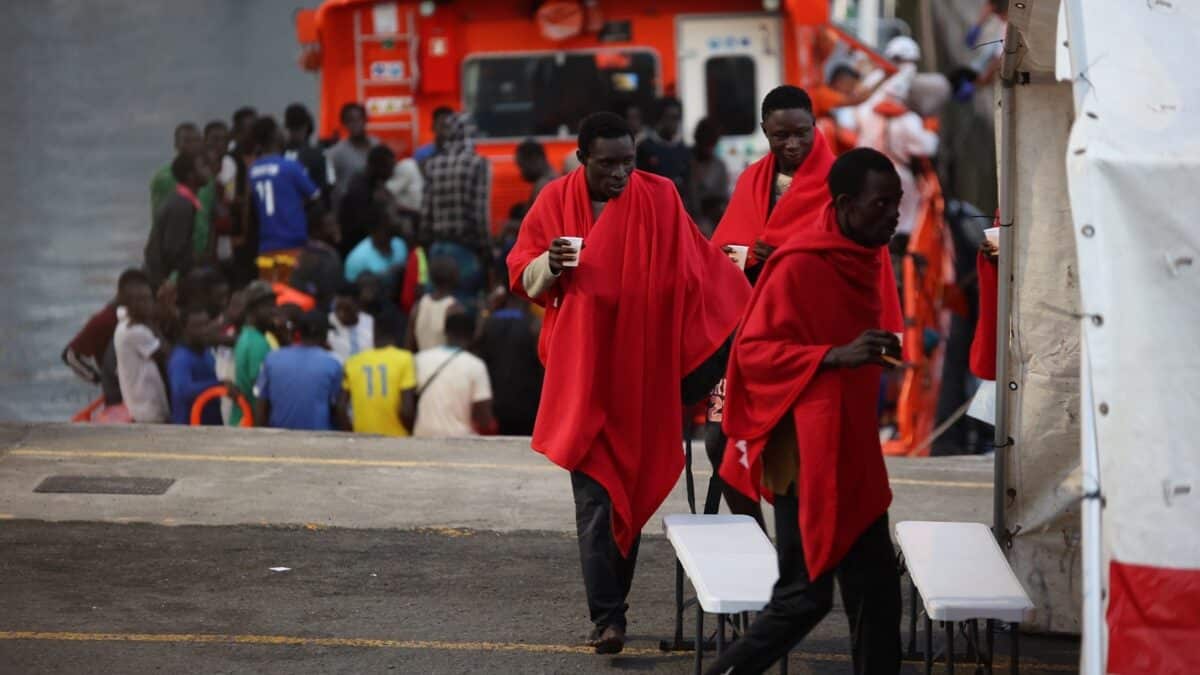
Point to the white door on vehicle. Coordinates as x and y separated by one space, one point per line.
726 65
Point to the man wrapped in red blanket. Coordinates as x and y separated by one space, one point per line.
635 306
803 381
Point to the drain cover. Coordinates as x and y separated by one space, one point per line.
105 485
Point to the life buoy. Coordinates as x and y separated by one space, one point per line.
560 19
220 391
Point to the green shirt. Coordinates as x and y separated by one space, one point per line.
249 352
163 184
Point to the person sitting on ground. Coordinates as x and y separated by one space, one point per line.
534 167
87 352
375 297
141 354
349 155
508 345
282 193
380 386
366 196
299 386
254 342
427 323
382 253
169 249
454 394
800 412
193 369
318 270
350 329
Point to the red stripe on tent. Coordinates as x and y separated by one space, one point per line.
1153 619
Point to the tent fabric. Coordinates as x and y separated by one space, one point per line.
1133 162
1043 364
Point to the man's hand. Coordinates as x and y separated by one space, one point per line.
762 251
990 250
561 252
867 349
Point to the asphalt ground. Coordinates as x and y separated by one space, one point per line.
402 556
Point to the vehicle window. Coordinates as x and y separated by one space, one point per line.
731 89
547 94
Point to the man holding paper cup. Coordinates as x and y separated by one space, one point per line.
636 299
776 197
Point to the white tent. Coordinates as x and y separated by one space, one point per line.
1133 165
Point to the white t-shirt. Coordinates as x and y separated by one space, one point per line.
430 327
142 385
346 341
444 409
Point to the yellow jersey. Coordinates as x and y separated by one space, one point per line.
375 379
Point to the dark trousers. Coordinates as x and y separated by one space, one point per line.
870 585
607 575
739 504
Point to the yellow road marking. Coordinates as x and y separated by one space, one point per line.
379 463
432 645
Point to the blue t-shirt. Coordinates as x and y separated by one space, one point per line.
425 152
366 258
190 373
301 383
280 187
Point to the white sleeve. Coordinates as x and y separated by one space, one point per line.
537 277
144 341
481 384
913 138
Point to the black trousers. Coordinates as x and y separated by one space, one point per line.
870 585
607 575
739 504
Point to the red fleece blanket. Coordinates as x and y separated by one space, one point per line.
818 291
649 301
983 347
801 208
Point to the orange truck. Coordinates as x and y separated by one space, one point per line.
534 69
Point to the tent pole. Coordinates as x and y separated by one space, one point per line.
1007 168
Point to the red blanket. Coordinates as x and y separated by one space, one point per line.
801 208
818 291
983 347
649 301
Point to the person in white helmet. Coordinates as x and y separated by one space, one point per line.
888 124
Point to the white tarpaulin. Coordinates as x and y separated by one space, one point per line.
1133 163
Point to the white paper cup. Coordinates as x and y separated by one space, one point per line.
993 235
738 255
577 244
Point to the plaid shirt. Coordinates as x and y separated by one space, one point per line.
457 191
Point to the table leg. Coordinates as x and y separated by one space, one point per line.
928 645
699 639
1015 668
949 647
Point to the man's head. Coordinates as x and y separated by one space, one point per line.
606 151
354 118
844 79
267 138
381 162
668 117
197 327
345 304
787 122
313 328
440 115
866 196
188 138
443 273
707 135
191 170
460 328
633 116
128 280
298 122
260 304
385 334
531 160
243 120
382 228
216 139
370 292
